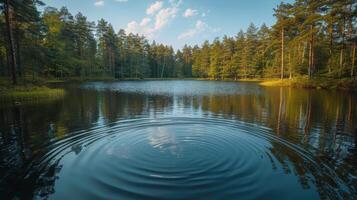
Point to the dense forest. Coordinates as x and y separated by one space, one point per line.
313 38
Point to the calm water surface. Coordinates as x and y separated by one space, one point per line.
180 140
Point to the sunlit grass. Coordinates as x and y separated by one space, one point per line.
34 92
317 83
28 94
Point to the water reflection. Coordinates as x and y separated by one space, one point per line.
160 138
318 121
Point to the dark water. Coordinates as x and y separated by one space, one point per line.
180 140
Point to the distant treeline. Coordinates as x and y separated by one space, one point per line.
310 37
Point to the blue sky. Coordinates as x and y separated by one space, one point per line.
176 22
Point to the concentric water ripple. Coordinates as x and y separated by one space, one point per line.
181 158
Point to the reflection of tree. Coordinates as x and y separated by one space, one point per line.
24 131
304 109
307 126
281 103
319 121
14 152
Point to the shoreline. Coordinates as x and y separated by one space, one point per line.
318 83
41 87
28 90
23 93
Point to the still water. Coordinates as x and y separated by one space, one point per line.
180 140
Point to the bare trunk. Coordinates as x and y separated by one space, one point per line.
342 48
303 53
353 43
311 53
297 53
245 71
290 66
113 63
18 53
310 63
11 52
163 67
353 59
341 62
330 48
282 54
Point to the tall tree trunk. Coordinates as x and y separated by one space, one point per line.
17 45
290 66
303 53
311 53
353 59
18 53
330 48
341 62
109 60
282 54
342 47
353 42
163 67
10 40
113 63
2 65
298 53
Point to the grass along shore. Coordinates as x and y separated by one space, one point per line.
20 95
37 88
27 90
31 91
317 83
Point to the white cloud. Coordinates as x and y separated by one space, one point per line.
190 13
99 3
132 27
142 28
163 17
200 24
154 7
121 1
200 27
145 21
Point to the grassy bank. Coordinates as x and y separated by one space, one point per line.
318 83
31 91
27 90
29 94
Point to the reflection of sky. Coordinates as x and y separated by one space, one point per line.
101 117
325 126
162 139
187 88
230 100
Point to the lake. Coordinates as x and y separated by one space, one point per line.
180 139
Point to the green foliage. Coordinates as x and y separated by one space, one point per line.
316 38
